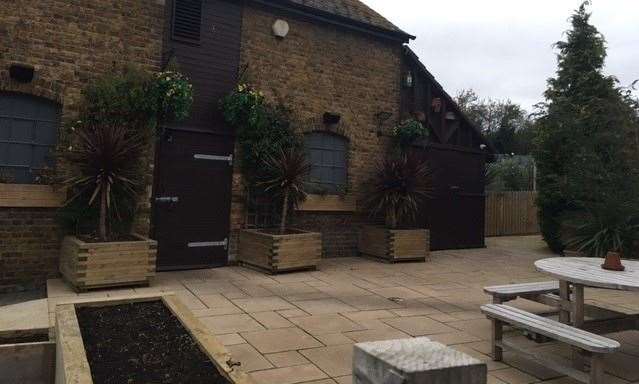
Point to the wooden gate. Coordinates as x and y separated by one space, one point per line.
511 213
193 173
455 214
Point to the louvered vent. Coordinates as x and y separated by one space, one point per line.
187 20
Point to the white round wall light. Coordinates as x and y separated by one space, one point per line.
280 28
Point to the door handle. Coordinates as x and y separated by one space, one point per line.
167 199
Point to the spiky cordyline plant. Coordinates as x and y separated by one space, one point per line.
288 172
105 160
398 187
610 226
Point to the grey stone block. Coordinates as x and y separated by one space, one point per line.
414 361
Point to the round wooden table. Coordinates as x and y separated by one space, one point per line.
580 272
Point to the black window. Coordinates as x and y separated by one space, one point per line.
187 20
28 133
327 154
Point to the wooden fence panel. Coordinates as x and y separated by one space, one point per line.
511 213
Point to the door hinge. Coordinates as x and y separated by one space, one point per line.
199 156
207 244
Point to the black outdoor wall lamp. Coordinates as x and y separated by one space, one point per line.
22 73
408 79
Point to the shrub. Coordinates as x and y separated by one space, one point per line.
105 165
138 99
263 130
610 226
103 153
583 129
398 187
287 174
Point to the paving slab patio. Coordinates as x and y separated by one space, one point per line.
300 327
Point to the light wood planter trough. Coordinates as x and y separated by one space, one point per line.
394 245
102 265
280 253
72 365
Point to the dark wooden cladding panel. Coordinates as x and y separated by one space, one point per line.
418 99
455 214
212 63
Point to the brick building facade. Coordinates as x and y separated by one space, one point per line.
69 44
339 58
319 68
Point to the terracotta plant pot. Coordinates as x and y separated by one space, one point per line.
613 262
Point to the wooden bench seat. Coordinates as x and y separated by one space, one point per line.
503 293
591 345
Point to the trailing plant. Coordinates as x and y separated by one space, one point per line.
408 132
613 226
138 99
175 96
287 173
105 166
263 130
398 188
583 149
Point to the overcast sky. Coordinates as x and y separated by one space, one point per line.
504 48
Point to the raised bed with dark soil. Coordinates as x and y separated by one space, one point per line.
142 343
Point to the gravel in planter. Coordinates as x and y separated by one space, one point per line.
142 343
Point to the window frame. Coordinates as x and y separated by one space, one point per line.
33 141
328 187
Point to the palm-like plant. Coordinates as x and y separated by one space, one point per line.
105 162
611 226
287 174
398 187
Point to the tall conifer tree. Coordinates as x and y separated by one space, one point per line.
583 130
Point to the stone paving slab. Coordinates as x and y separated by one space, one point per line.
300 327
28 316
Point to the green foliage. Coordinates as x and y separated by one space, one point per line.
287 173
505 124
138 99
510 174
105 163
128 98
409 132
398 187
175 94
583 130
103 153
609 226
263 129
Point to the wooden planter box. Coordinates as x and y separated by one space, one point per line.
72 365
280 253
101 265
394 245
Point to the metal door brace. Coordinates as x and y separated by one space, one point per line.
199 156
207 244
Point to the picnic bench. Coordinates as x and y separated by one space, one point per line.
504 293
591 345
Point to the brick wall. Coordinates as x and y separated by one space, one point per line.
321 68
70 43
29 247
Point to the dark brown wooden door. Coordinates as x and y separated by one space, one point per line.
192 200
193 175
455 215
